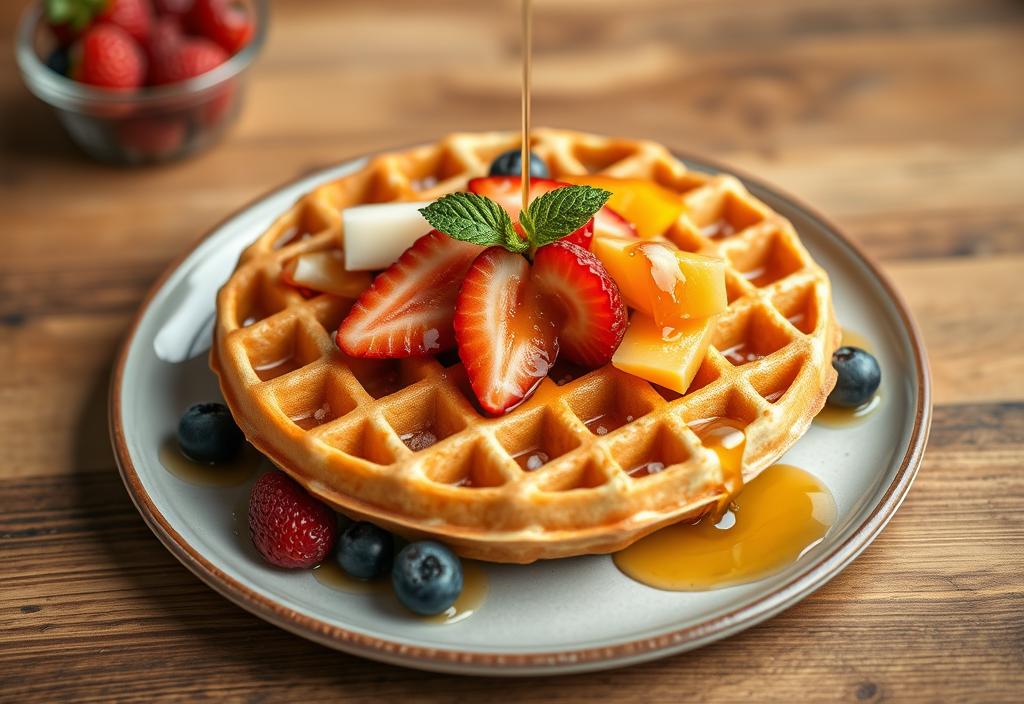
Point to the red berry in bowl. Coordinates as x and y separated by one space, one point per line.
152 137
227 22
108 57
163 41
289 527
133 16
218 108
189 58
173 7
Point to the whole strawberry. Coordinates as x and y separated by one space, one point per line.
173 7
190 57
108 57
227 22
288 526
163 41
133 16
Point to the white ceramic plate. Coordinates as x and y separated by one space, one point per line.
561 616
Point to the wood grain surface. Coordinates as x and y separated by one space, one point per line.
904 121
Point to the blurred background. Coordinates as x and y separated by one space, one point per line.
902 120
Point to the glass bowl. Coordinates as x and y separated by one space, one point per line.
147 125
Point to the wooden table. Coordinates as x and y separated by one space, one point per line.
902 120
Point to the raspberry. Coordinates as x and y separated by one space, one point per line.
289 527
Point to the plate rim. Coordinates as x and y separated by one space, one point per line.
554 661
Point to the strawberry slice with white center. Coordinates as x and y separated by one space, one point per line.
507 192
409 307
593 318
324 272
506 339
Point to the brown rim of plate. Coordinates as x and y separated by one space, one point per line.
446 659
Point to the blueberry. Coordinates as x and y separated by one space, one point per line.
510 163
207 433
859 377
365 551
58 61
427 577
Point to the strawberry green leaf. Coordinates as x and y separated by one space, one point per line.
76 13
561 212
473 218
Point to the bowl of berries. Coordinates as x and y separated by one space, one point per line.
141 81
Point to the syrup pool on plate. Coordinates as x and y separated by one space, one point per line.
775 519
233 473
838 418
330 574
474 589
474 592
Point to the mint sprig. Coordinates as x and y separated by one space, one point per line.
474 218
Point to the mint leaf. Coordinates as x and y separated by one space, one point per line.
473 218
561 212
527 223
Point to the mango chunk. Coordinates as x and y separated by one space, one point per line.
658 279
666 356
652 208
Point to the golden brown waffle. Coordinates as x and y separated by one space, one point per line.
352 431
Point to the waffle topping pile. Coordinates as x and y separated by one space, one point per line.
514 289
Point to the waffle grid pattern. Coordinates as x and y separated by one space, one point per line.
402 442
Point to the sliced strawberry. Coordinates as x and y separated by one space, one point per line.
507 192
593 317
324 272
506 339
610 222
408 309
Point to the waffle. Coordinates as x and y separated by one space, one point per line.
403 444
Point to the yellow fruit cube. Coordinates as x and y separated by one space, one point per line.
658 279
666 356
652 208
